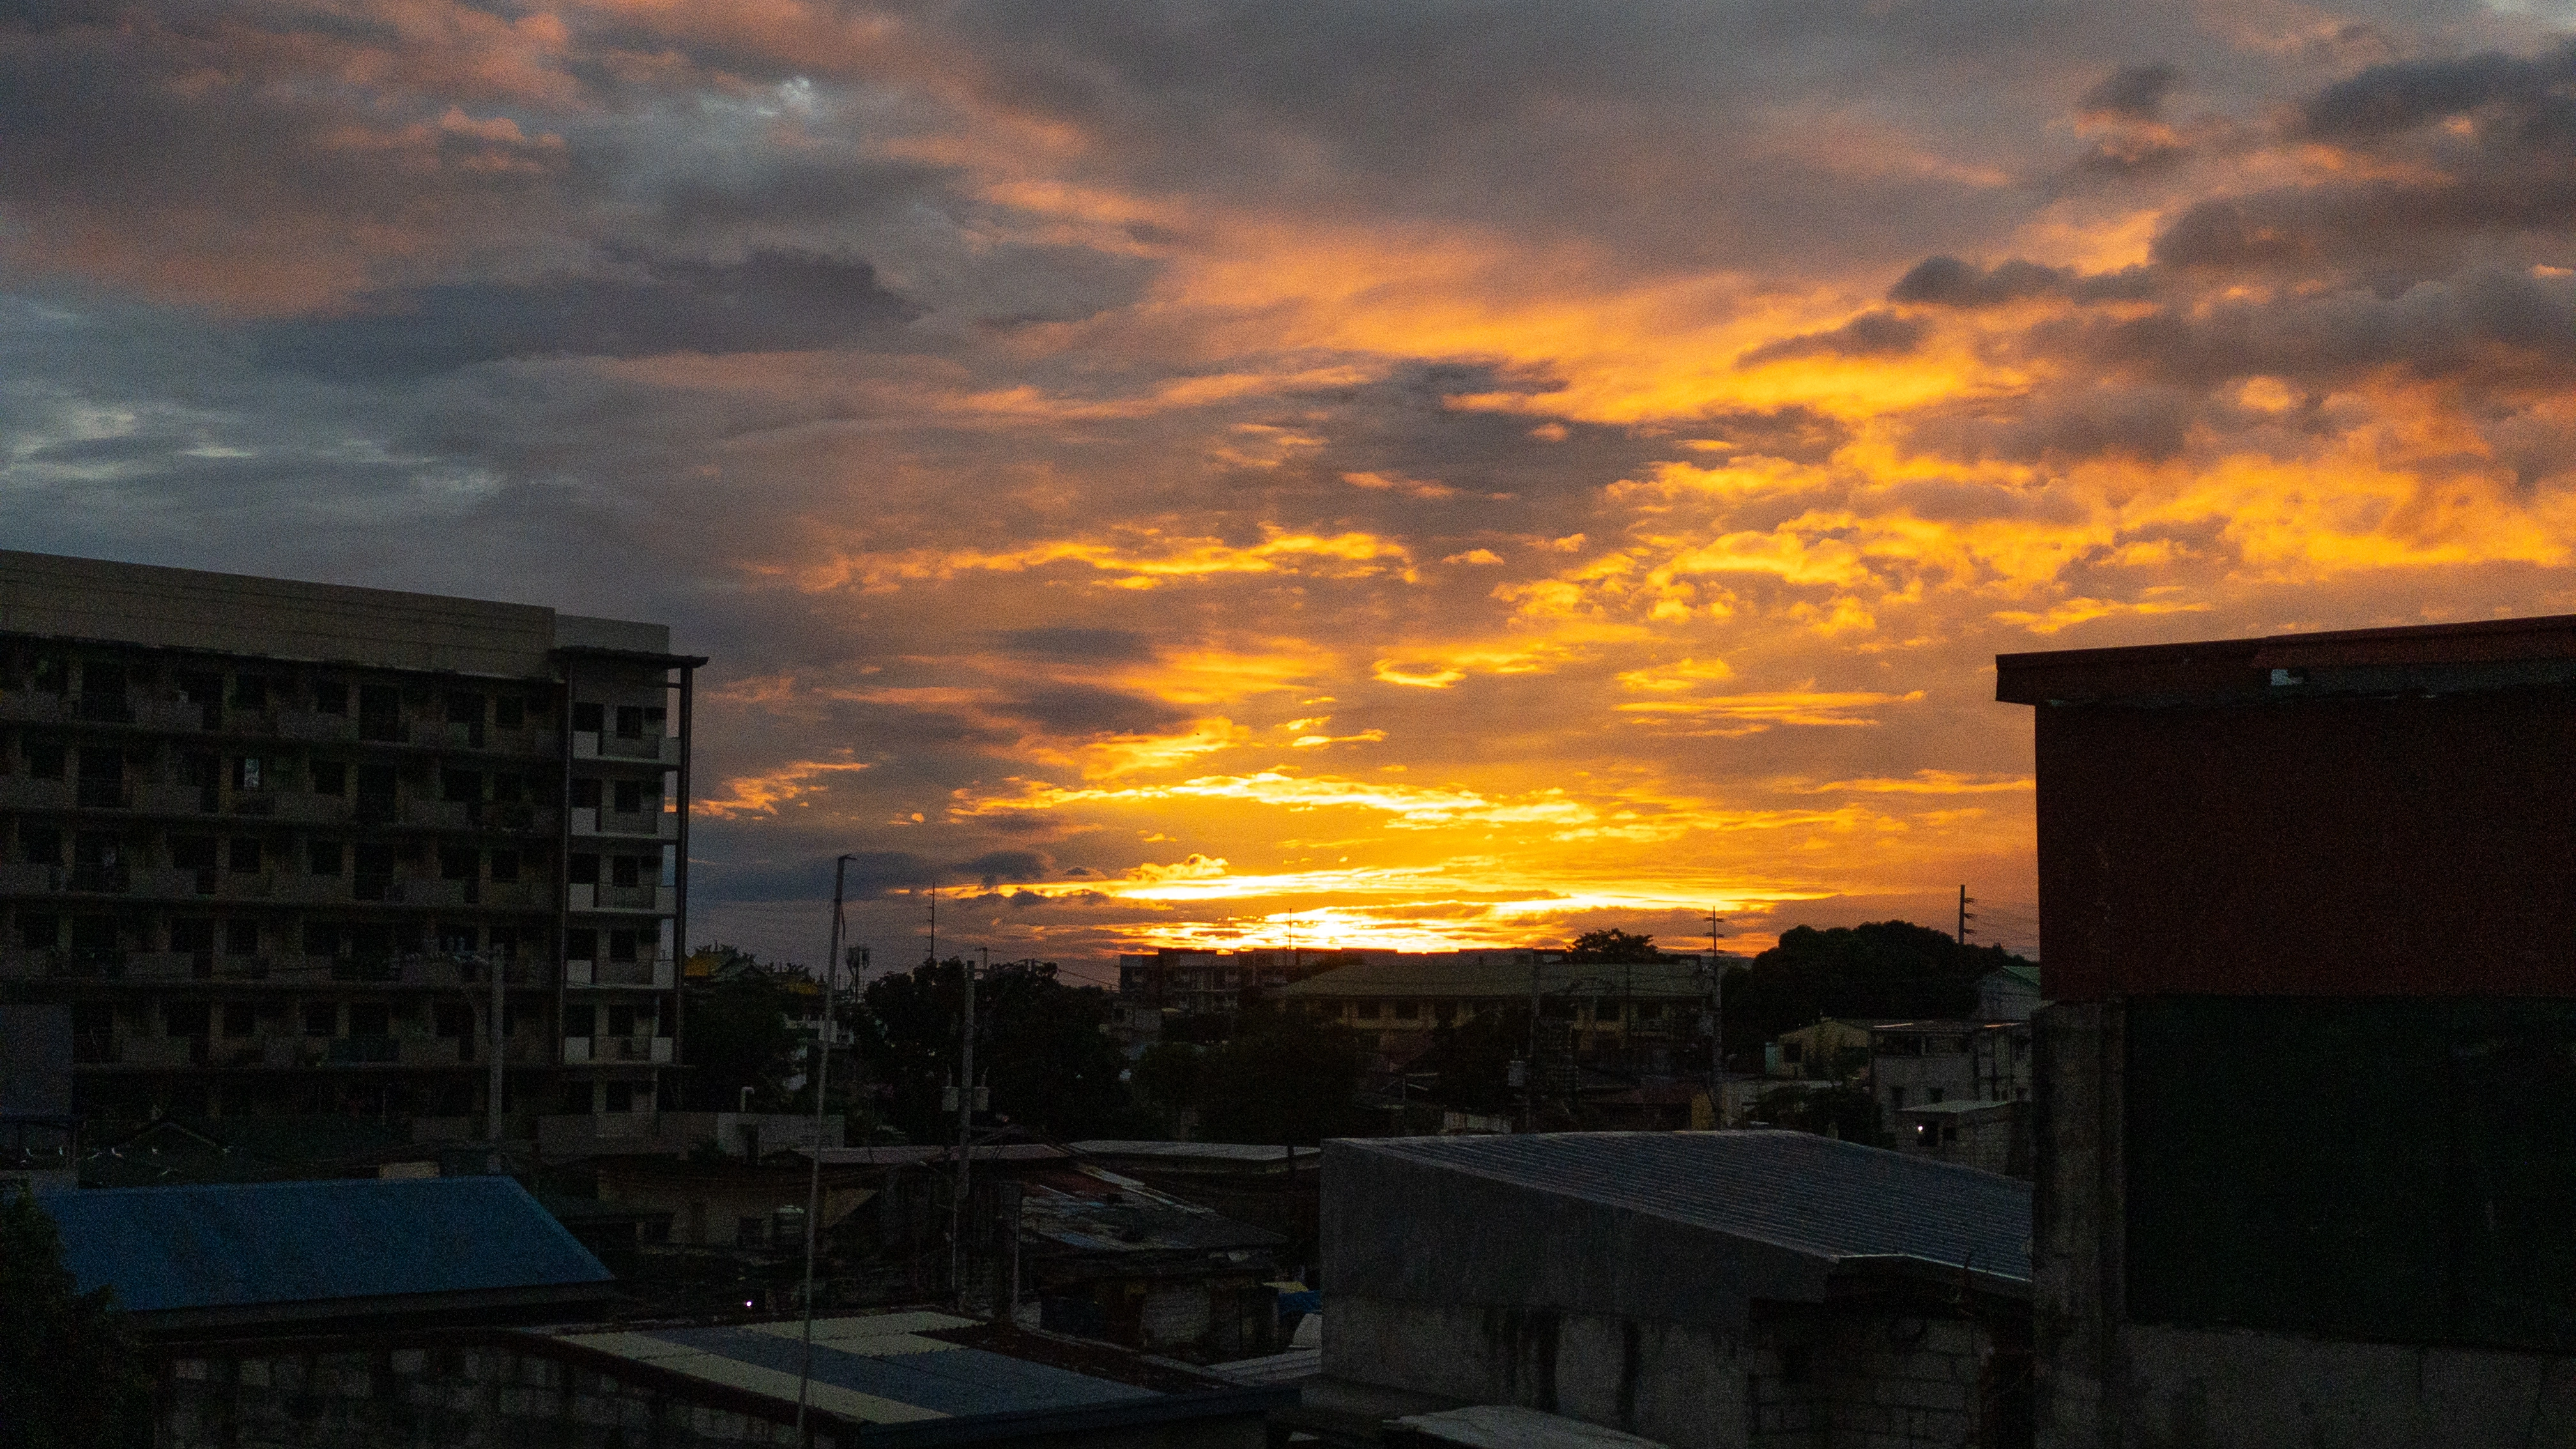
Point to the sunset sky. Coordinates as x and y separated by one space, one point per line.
1319 473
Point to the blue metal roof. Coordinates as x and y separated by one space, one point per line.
220 1245
1815 1196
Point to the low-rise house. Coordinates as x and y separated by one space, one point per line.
1830 1048
2009 993
1994 1136
1108 1257
723 1203
1637 1011
1925 1063
1715 1290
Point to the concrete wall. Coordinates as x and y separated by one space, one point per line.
433 1398
2105 1383
1684 1385
1803 1378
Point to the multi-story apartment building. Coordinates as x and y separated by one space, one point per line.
269 842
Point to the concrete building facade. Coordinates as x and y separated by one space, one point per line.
2303 1173
1705 1290
269 842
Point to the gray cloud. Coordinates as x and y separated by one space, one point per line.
1871 334
2131 93
769 300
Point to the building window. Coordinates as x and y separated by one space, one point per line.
509 712
186 1019
587 718
621 946
241 938
581 869
44 758
1404 1010
330 777
43 845
245 855
624 870
241 1019
370 1018
630 797
39 930
321 1018
581 945
459 786
580 1020
503 942
630 722
250 691
1896 1099
621 1096
505 865
457 862
330 696
1365 1011
464 708
585 794
246 773
322 857
456 940
192 936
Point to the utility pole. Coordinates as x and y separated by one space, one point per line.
1716 1025
1965 901
1529 1068
498 963
965 1134
814 1179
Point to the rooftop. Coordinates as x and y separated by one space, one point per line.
2485 654
1182 1153
925 1377
236 1253
1824 1200
1432 978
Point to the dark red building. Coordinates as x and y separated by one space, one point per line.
2307 1094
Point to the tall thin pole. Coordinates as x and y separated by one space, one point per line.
1964 903
814 1180
1716 1026
965 1131
496 962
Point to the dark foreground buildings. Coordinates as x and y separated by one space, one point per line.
2305 1172
266 842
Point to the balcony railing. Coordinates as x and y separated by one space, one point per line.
106 880
655 971
626 824
316 728
18 792
26 880
356 1049
594 745
102 795
103 709
32 707
383 728
586 1050
660 900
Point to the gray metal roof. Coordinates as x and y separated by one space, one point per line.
1252 1152
1815 1196
1432 978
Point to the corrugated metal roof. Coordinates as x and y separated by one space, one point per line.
871 1367
236 1244
1252 1152
1430 978
1811 1195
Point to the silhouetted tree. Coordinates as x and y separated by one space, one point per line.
737 1035
1474 1059
1891 969
1040 1047
1284 1077
71 1375
1612 945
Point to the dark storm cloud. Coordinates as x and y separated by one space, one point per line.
2145 422
771 300
2488 326
2528 96
2131 93
1950 282
1871 334
1078 645
994 867
1083 709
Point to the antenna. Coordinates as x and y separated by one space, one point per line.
934 922
814 1180
1965 916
